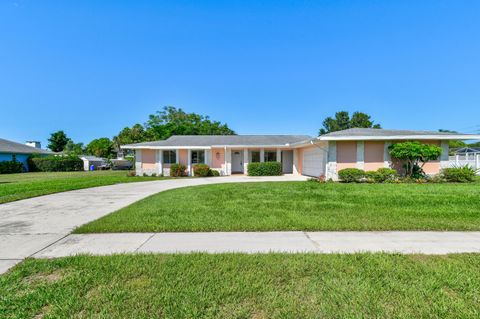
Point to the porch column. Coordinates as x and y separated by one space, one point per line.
177 156
189 162
159 162
138 162
228 161
444 155
295 161
332 161
279 155
386 154
208 157
262 155
245 161
360 154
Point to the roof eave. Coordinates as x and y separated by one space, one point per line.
401 137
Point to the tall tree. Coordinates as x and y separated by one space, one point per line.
101 147
172 121
453 144
57 141
342 121
130 135
73 148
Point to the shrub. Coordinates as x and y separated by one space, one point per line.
201 170
415 155
213 172
463 174
350 175
265 169
178 170
131 174
10 167
55 164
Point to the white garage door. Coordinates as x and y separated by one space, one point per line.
314 162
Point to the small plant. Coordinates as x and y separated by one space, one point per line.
461 174
153 175
201 170
213 172
351 175
131 173
178 170
265 169
145 175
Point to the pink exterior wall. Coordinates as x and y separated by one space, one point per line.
148 159
432 167
183 157
218 157
346 154
374 155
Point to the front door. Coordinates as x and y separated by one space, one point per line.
237 161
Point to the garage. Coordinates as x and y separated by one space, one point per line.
314 162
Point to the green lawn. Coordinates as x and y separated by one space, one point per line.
19 186
244 286
300 206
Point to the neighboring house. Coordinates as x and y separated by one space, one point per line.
93 162
466 156
12 151
299 154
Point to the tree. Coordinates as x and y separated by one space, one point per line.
452 145
74 148
101 147
57 141
172 121
415 155
135 134
342 121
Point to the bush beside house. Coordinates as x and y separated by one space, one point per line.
55 164
11 167
178 170
265 169
464 174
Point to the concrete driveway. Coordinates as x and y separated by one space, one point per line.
31 225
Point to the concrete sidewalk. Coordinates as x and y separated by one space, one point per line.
264 242
28 226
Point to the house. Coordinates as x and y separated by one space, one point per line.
91 163
325 155
467 156
13 151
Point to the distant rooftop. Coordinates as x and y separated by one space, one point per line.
7 146
381 134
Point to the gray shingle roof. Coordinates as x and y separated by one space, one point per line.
383 132
7 146
225 140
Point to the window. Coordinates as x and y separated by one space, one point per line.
198 157
14 157
255 156
270 156
169 157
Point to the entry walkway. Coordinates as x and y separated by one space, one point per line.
264 242
28 226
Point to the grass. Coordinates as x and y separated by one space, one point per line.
244 286
300 206
20 186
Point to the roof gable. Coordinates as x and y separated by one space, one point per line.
7 146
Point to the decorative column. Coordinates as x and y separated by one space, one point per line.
279 155
332 161
360 154
160 162
138 162
228 161
177 156
262 155
386 155
295 162
444 156
245 161
208 157
189 162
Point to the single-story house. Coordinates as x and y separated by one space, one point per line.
325 155
13 151
93 162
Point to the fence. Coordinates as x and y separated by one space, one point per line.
470 159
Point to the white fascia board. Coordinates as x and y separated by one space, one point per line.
400 137
146 147
252 146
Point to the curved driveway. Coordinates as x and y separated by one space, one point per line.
30 225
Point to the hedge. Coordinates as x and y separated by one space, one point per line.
264 169
201 170
11 167
350 175
55 164
178 170
464 174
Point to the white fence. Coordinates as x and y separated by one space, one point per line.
470 159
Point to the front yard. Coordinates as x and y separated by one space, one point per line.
20 186
244 286
300 206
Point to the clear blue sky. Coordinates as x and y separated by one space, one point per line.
91 68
